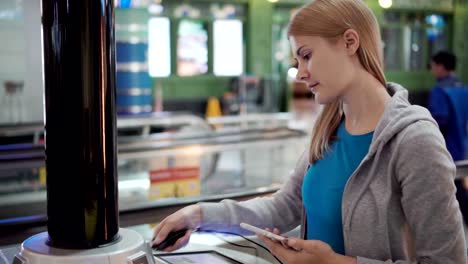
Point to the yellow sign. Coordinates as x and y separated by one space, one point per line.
42 176
174 182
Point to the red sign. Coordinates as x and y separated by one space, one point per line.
173 174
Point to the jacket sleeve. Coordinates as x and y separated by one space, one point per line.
282 210
426 172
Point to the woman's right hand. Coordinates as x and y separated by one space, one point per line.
186 218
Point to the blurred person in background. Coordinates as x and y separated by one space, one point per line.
442 108
448 105
375 185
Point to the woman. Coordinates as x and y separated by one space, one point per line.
376 185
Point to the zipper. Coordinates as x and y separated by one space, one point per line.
346 223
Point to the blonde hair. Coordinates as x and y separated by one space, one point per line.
330 19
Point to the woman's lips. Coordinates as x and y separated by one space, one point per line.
313 86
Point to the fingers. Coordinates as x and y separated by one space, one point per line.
276 231
158 228
299 244
160 233
181 242
171 223
284 242
270 243
276 248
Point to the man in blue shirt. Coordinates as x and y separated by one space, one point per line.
443 108
443 66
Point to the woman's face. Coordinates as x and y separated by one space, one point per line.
326 67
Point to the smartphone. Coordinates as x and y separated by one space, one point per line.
263 232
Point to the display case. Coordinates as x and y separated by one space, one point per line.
164 163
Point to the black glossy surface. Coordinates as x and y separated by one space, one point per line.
79 70
171 239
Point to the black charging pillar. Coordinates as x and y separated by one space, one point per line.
80 122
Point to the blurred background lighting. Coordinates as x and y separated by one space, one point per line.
292 72
385 3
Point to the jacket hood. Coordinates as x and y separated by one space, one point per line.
398 115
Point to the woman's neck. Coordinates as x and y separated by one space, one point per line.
364 104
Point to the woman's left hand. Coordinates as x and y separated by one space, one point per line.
307 251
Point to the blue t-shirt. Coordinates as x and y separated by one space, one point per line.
323 186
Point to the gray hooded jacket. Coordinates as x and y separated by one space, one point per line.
399 205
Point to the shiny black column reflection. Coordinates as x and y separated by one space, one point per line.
80 122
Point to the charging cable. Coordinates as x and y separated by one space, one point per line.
238 245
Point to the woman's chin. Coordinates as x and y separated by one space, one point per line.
320 100
323 100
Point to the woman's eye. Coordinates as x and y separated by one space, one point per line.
306 57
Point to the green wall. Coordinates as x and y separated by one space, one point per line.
259 38
461 39
193 87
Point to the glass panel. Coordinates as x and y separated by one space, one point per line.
281 48
197 10
219 10
438 42
131 25
391 17
20 62
436 33
392 43
414 19
190 9
131 3
192 48
12 59
159 50
416 49
228 48
424 4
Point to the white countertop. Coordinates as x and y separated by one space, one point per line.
217 242
198 242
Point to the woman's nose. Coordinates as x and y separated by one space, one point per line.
301 75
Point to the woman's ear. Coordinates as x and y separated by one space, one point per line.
351 40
